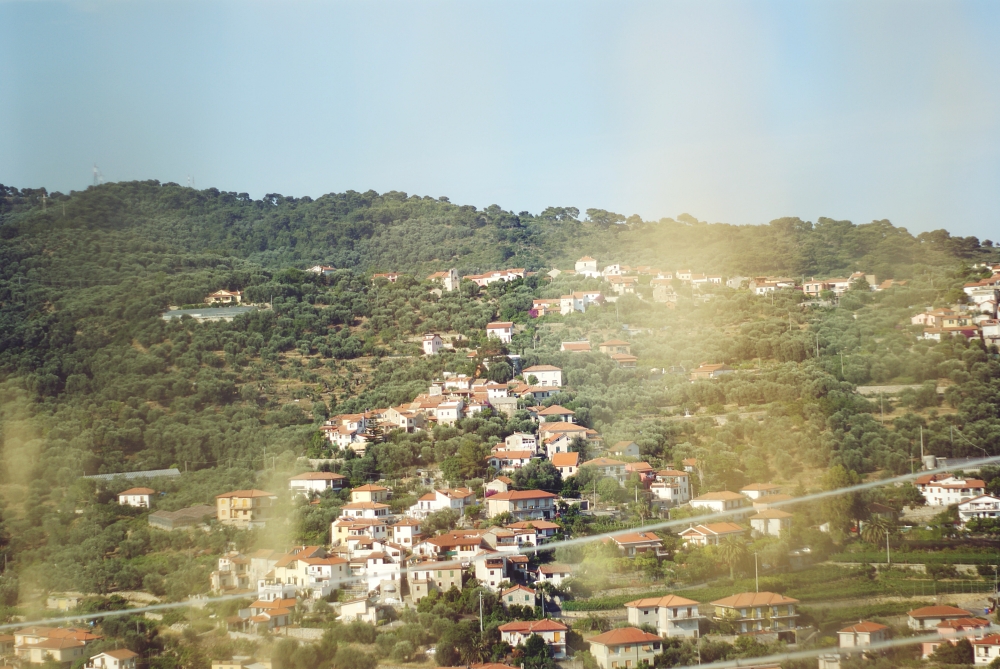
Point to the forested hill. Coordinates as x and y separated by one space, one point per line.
399 232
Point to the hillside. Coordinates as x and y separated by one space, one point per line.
93 380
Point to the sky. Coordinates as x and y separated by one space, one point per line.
734 111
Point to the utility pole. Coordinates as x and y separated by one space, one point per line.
480 611
888 562
841 364
756 577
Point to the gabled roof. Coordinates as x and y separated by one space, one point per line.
535 524
532 626
521 494
771 514
365 505
137 491
554 569
556 410
542 368
755 487
721 495
671 472
369 487
939 612
515 589
713 528
666 602
121 654
636 538
317 476
246 493
624 635
863 627
603 462
755 599
501 325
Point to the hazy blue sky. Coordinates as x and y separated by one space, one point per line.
736 111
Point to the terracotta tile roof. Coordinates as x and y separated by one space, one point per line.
714 528
515 589
624 635
137 491
962 623
635 538
535 524
369 487
939 612
542 368
603 462
863 627
554 569
522 494
556 410
566 459
365 505
532 626
720 496
666 602
671 472
755 599
990 640
246 493
771 514
121 654
614 342
317 476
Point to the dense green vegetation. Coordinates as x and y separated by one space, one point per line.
93 380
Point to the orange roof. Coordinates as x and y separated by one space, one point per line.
317 476
571 459
542 368
369 487
671 472
960 623
714 528
535 524
138 491
532 626
521 494
122 654
863 627
667 601
755 599
622 636
516 588
246 493
939 612
555 410
501 325
602 462
721 495
635 538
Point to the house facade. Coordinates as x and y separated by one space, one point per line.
758 611
625 648
547 375
551 631
137 497
315 483
504 331
245 508
672 616
522 504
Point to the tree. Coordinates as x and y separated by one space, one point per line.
960 652
876 529
537 653
733 552
538 475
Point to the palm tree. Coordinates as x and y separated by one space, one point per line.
734 553
876 529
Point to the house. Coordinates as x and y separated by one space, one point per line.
499 484
608 467
366 510
406 532
504 331
432 343
614 346
945 489
672 487
391 277
986 650
575 346
509 461
485 279
771 522
983 506
567 463
545 375
224 297
346 530
628 449
952 630
552 632
448 279
113 659
633 543
929 617
245 508
543 307
710 371
571 430
521 441
323 270
38 644
557 414
456 499
402 418
587 266
553 573
519 595
138 497
359 609
491 569
544 529
461 544
710 534
758 490
314 483
188 517
672 616
370 493
625 648
721 501
863 634
624 360
758 611
522 504
426 576
449 413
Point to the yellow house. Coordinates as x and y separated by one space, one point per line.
244 508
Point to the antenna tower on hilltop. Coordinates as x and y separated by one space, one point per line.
98 177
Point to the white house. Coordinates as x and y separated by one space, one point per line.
509 461
113 659
553 573
758 490
504 331
456 499
448 413
625 648
929 617
983 506
711 534
945 489
568 464
628 449
986 649
314 483
608 467
863 634
518 596
587 266
369 510
547 375
771 522
552 632
491 569
406 532
521 441
672 487
138 497
717 502
672 616
432 343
